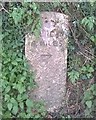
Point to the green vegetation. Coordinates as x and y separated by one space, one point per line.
21 18
16 78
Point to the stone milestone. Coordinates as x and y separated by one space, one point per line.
48 59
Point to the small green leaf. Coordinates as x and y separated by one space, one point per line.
28 109
9 106
22 115
68 116
21 88
84 77
25 73
89 75
29 103
89 104
7 114
15 110
88 95
91 69
24 96
17 15
37 116
21 105
90 25
22 78
92 87
13 101
87 112
7 97
93 38
30 20
84 21
14 63
19 59
73 80
83 68
10 67
7 89
43 113
19 98
28 115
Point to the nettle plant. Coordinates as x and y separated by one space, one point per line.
17 20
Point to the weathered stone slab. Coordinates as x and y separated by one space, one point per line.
48 58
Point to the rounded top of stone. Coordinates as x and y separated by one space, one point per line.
58 14
55 18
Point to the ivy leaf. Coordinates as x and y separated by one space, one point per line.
37 116
9 106
18 59
24 96
14 101
15 110
91 69
28 115
7 97
28 110
14 63
22 78
84 21
83 68
34 7
93 39
90 25
29 103
88 75
30 20
88 95
19 97
21 88
22 115
21 104
17 15
7 89
89 104
7 114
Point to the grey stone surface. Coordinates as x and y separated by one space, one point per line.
48 58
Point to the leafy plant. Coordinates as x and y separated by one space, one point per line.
16 78
73 76
89 22
89 100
